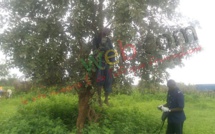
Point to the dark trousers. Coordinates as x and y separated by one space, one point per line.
174 128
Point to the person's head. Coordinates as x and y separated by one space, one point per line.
171 84
105 32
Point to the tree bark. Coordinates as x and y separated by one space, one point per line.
84 97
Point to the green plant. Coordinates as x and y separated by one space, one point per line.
136 113
62 106
32 124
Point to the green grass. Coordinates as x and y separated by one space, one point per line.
127 114
200 116
8 107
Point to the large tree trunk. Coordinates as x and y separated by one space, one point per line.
85 94
84 97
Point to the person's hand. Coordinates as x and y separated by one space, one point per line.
165 109
159 107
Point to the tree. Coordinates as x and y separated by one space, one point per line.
3 70
46 39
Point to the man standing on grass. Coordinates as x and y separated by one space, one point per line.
174 107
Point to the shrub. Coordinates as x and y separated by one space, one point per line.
136 113
61 106
32 124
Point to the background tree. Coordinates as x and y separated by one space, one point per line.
46 39
3 70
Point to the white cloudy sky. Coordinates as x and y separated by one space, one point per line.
200 68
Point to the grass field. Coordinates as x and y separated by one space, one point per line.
127 114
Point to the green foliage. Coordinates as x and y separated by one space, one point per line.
47 39
16 120
8 108
61 106
32 124
130 120
7 82
134 113
122 89
3 70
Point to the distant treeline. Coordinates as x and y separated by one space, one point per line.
8 81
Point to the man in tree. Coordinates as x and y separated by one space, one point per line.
174 107
104 77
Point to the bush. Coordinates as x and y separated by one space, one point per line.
32 124
127 114
61 106
136 113
124 121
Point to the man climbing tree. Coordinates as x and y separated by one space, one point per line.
101 45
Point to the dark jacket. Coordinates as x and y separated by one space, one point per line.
104 76
175 99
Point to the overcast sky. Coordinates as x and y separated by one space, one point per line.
200 68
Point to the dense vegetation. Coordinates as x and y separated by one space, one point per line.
51 113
